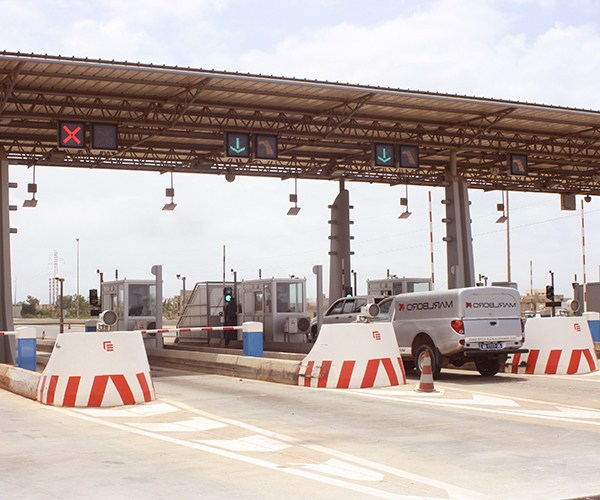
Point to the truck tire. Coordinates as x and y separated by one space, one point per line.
435 367
487 367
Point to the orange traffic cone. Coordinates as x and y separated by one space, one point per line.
426 380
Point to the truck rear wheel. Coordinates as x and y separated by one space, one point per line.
487 367
420 353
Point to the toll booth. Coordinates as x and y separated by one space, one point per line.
279 304
395 286
205 305
134 302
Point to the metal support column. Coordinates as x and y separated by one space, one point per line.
157 271
459 242
6 316
339 254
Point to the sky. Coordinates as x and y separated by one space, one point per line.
537 51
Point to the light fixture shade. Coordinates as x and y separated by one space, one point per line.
169 206
293 211
502 219
30 203
405 215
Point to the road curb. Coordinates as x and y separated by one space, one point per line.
281 371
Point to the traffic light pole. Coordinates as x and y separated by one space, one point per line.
552 283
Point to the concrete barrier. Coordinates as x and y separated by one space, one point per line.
560 346
20 381
352 356
97 369
281 371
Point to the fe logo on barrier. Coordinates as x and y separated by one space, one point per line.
71 135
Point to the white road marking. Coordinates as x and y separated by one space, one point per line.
336 467
366 490
147 410
451 490
564 413
449 403
247 444
192 425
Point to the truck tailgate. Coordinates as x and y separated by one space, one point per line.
492 330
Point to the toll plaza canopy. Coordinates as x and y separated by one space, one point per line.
117 115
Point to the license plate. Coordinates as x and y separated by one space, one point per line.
490 346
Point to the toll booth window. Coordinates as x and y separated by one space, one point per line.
120 301
142 300
114 303
267 297
417 286
258 301
290 297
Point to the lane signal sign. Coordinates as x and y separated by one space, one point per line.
105 136
237 144
518 164
71 135
384 155
265 147
409 156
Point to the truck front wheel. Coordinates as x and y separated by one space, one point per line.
487 367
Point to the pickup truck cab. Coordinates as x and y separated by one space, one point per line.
343 310
480 324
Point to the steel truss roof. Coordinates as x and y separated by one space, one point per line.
174 119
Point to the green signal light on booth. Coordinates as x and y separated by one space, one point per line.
228 297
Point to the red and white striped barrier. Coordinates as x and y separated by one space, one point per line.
352 356
97 369
557 346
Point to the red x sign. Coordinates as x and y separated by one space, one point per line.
71 135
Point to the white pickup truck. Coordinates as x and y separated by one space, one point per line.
480 324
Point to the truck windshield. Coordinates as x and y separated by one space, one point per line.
384 310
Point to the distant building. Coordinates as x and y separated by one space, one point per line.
534 302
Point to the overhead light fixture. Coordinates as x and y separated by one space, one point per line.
294 199
31 188
230 177
170 193
501 207
30 203
404 203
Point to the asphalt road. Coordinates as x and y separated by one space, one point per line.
209 436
